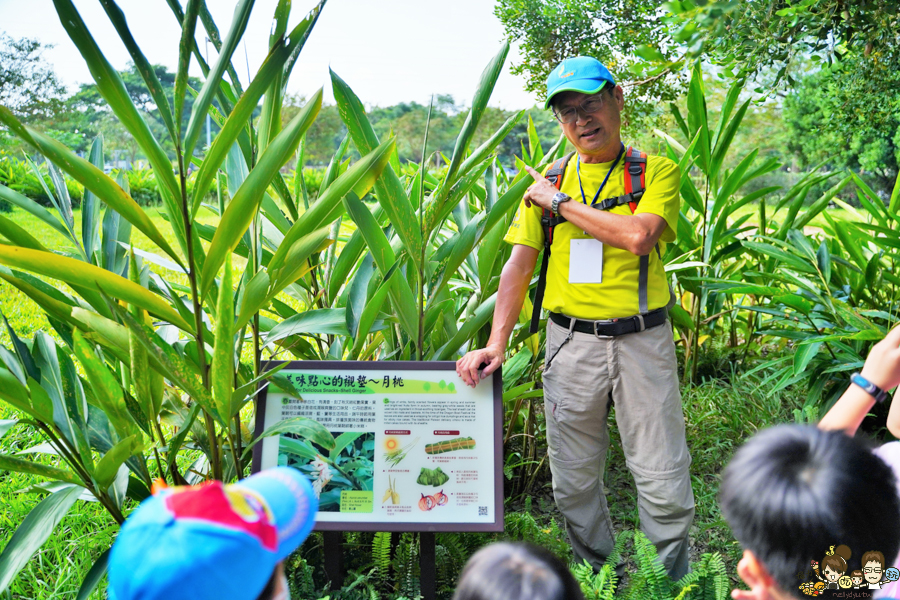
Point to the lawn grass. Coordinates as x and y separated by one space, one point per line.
719 416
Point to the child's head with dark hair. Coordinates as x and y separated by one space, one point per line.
793 491
516 571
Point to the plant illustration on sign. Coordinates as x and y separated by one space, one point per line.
333 462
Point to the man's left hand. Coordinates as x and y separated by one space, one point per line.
541 192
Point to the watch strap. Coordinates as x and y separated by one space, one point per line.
870 388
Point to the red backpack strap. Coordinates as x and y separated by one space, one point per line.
635 169
556 171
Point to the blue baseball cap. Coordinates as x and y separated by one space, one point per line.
583 74
212 541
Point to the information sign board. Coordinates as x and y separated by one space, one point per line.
396 446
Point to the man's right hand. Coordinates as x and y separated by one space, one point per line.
467 367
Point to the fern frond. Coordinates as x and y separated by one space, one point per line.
650 568
685 591
713 578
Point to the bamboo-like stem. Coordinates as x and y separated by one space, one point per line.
198 318
62 445
420 309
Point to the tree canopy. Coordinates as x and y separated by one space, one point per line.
614 32
28 85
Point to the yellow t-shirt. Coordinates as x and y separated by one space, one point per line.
617 295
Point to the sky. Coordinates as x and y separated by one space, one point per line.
388 51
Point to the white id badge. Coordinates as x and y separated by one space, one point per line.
586 261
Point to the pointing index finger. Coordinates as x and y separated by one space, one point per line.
537 176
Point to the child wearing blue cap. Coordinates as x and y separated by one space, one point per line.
214 541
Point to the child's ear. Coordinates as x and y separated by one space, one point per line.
754 574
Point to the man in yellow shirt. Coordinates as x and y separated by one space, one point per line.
608 338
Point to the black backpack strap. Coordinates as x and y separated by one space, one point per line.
549 221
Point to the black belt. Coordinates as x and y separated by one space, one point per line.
614 327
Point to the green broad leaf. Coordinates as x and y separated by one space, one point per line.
19 236
479 103
101 330
697 117
108 466
894 203
388 188
139 365
482 315
18 465
41 403
177 441
358 179
34 531
104 387
243 206
93 179
143 66
111 87
244 108
185 46
357 293
255 293
175 367
298 447
823 258
67 221
74 407
22 351
401 294
820 205
79 273
94 576
90 204
222 369
330 321
335 166
342 441
851 245
370 312
248 390
726 137
803 355
484 151
308 429
348 259
213 78
462 246
297 264
17 199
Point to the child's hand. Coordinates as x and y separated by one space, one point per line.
883 364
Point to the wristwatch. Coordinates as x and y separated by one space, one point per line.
558 198
870 388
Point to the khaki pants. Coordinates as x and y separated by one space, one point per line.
638 373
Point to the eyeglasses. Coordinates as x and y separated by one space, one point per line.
588 107
871 570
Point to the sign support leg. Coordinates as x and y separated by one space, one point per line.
334 558
427 566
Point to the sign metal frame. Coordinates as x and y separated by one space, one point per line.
396 366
